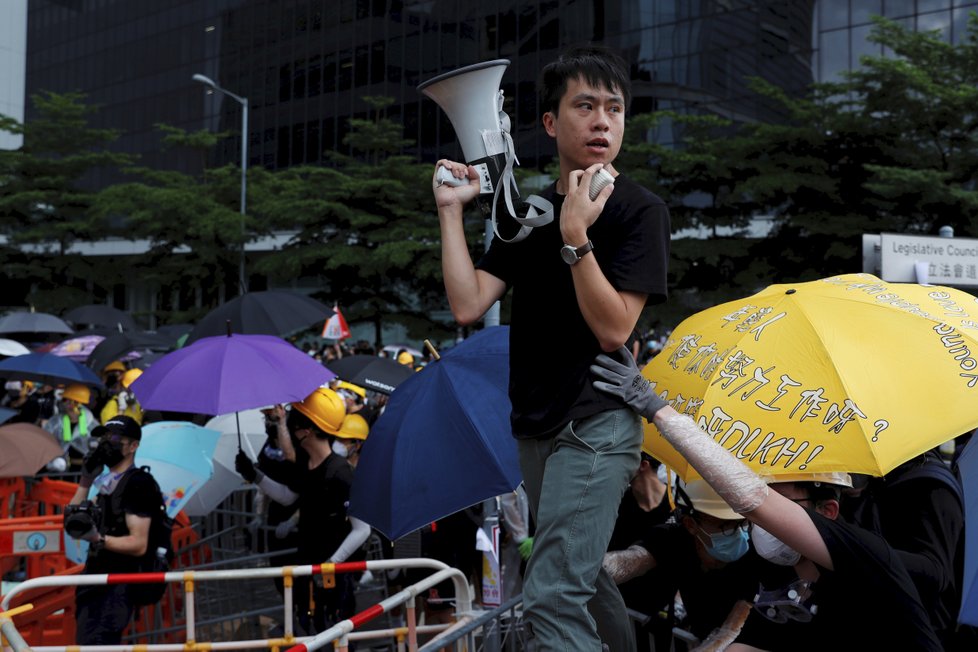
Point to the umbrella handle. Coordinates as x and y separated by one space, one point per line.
431 349
237 421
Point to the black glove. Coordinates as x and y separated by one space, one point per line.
245 467
91 467
626 382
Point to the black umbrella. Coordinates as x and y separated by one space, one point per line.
101 315
33 322
115 346
379 374
173 332
272 312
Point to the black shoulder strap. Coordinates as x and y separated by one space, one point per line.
934 470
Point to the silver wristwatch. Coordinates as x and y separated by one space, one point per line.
573 255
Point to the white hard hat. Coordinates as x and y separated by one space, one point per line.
706 500
838 478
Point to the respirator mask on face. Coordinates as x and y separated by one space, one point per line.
773 549
793 602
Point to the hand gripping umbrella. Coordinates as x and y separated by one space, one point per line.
220 375
847 373
443 443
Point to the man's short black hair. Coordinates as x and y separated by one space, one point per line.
298 421
819 492
594 64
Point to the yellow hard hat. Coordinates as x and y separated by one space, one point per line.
354 427
115 365
405 358
78 393
325 408
356 389
130 376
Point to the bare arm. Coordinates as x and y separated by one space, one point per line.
136 541
470 291
623 565
81 493
611 315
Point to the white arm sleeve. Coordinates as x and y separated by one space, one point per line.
358 534
737 484
276 490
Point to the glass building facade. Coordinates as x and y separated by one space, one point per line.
305 65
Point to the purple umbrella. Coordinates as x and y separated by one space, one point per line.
224 374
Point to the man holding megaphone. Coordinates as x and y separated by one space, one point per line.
579 285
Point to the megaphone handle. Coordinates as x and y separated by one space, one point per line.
446 178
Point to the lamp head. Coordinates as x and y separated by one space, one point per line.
203 79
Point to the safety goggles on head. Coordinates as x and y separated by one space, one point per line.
792 602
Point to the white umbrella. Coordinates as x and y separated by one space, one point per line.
225 479
12 347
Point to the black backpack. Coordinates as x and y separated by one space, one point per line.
159 547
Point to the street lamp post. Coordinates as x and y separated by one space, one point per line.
243 101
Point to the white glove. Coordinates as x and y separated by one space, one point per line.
284 528
121 400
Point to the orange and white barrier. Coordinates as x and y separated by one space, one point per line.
343 631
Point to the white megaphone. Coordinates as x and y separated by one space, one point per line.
473 101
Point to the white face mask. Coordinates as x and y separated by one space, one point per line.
771 548
340 449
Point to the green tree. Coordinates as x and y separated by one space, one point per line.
889 148
45 205
192 224
367 226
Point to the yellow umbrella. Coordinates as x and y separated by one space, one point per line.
848 373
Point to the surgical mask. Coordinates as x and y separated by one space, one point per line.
727 547
772 548
340 449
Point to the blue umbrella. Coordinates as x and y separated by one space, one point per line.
179 456
6 414
968 467
48 369
443 443
224 374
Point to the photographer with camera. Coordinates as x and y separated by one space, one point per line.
116 525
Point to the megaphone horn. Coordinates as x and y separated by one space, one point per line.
473 102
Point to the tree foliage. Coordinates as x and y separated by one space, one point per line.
44 203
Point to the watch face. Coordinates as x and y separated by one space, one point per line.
569 254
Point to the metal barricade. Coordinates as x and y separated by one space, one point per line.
191 579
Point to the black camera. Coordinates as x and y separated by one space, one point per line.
81 518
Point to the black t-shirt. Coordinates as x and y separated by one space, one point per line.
139 497
923 519
708 595
634 523
324 494
867 602
551 346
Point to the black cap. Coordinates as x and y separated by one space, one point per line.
119 425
